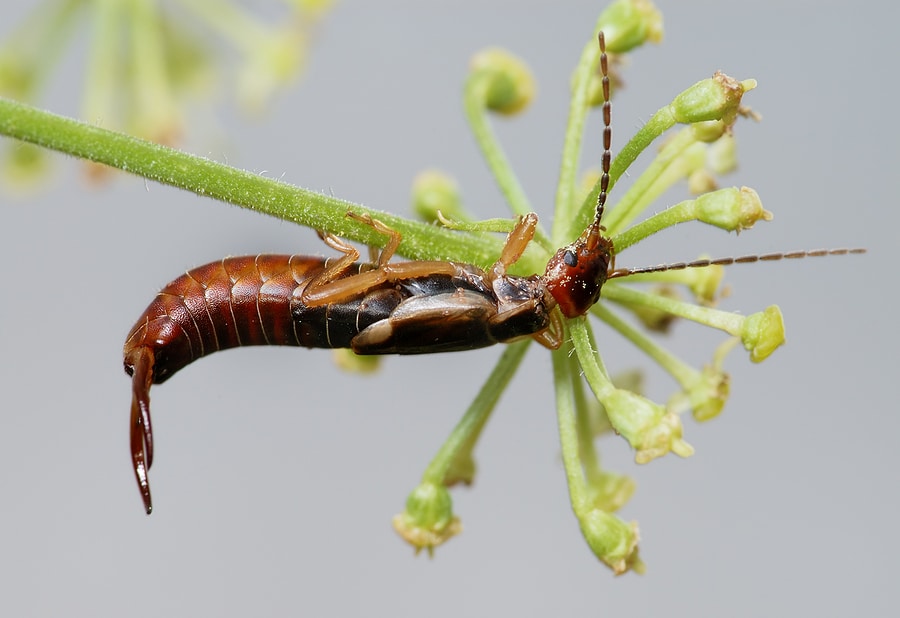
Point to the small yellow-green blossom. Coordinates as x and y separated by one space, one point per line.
717 98
610 491
627 24
351 362
651 431
511 85
707 394
731 209
704 283
612 540
428 520
762 333
722 155
435 192
272 65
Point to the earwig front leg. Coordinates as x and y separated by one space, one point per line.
516 242
552 337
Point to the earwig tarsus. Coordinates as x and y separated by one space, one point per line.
416 307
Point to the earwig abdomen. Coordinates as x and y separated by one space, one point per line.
414 308
234 302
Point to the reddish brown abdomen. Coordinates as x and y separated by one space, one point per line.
237 301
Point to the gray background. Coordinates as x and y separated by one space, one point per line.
277 475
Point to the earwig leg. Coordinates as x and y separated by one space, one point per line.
551 337
515 245
141 362
394 237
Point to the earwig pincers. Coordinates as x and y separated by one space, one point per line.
417 307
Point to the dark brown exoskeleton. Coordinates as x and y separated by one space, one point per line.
418 307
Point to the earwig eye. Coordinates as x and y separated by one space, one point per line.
570 258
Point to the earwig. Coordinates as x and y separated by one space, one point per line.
417 307
386 308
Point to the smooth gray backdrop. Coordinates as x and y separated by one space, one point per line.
276 475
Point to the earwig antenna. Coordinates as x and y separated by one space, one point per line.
746 259
607 129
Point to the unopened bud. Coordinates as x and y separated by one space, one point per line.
627 24
717 98
763 332
428 519
731 209
511 87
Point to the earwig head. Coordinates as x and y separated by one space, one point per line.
578 271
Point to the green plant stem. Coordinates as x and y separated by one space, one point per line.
591 364
571 152
731 323
246 189
661 121
590 459
568 432
637 197
681 212
475 97
464 436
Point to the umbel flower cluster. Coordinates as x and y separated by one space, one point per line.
700 150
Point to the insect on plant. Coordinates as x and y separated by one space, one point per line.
414 307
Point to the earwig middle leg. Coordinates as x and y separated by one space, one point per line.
330 286
516 242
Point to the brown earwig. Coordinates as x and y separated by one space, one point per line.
417 307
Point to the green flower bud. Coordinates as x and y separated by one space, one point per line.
16 81
708 395
25 165
275 61
721 155
650 430
709 131
428 519
705 282
627 24
717 98
612 540
511 87
701 181
762 333
731 209
312 8
349 361
610 491
435 192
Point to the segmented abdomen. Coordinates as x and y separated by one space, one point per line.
237 301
